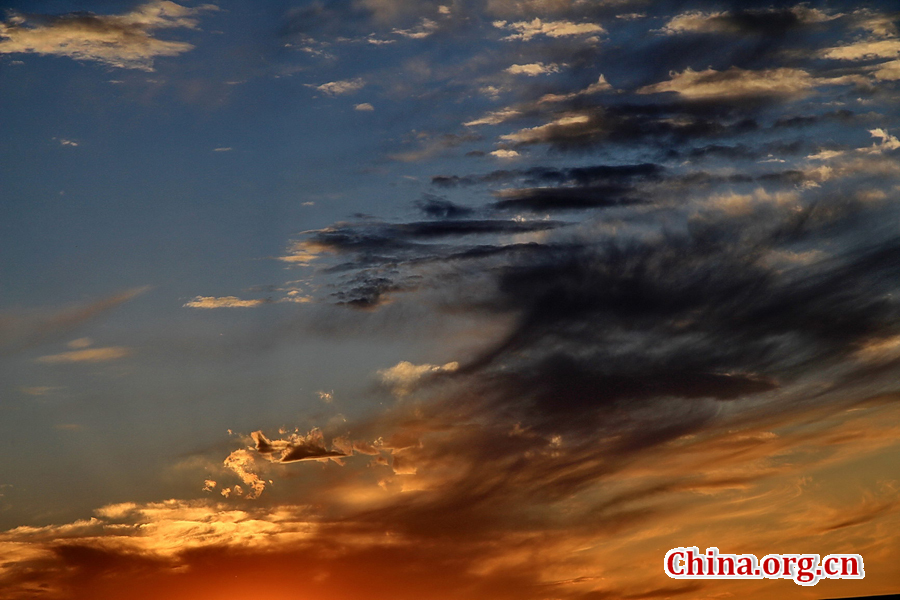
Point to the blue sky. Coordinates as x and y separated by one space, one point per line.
571 276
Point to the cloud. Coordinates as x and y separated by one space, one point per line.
91 355
364 107
431 146
125 41
22 330
339 88
404 376
502 153
494 118
527 30
888 71
601 85
242 464
424 29
440 208
579 123
295 448
735 83
80 343
533 69
41 390
769 21
223 302
864 50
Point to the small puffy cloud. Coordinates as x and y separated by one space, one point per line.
242 464
223 149
126 41
865 50
223 302
888 142
735 82
533 69
80 343
505 153
338 88
70 143
526 30
91 355
404 376
364 107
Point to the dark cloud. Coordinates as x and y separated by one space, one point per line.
295 448
843 116
441 208
577 175
563 198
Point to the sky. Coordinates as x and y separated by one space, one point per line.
446 299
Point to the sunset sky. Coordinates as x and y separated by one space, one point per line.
446 299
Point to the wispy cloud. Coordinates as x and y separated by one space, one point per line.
735 83
126 41
89 355
223 302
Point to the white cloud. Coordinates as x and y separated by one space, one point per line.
736 82
223 149
865 50
222 302
505 153
533 69
87 355
526 30
125 41
403 376
337 88
889 71
365 106
888 142
539 133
